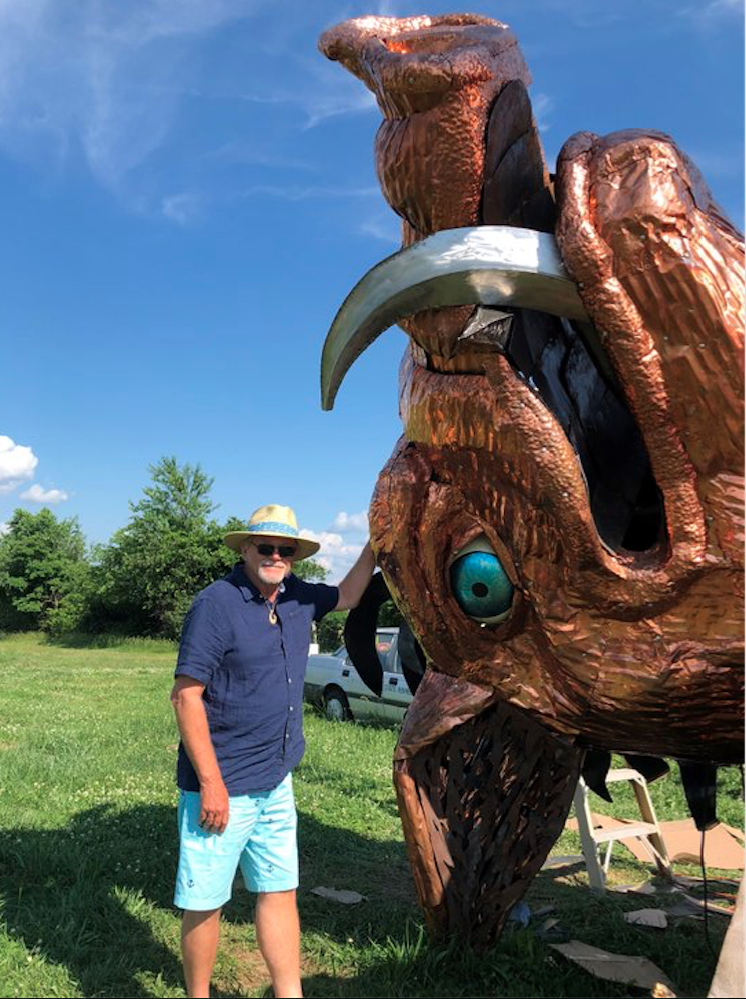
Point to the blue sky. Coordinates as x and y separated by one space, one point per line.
187 195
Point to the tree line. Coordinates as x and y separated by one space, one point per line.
142 581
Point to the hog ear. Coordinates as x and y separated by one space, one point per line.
596 764
641 234
360 633
660 272
700 789
412 657
517 189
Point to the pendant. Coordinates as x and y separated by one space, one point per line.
272 617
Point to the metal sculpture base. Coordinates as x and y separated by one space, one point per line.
469 804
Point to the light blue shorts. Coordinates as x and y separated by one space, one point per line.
260 838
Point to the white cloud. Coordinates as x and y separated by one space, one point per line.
4 529
17 463
543 105
713 10
249 154
35 494
325 92
347 522
105 78
299 193
182 208
319 107
386 228
326 98
336 555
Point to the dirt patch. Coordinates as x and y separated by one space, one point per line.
244 971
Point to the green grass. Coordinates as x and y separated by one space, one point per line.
88 855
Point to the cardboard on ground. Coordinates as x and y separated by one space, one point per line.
724 845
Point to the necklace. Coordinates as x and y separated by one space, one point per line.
271 604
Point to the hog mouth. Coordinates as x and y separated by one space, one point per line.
515 276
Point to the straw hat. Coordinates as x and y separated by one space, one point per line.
273 521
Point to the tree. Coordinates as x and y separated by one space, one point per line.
44 573
172 547
308 569
151 570
389 616
330 631
179 497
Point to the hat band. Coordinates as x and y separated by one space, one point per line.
272 527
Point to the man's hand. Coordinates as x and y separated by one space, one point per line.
187 699
215 807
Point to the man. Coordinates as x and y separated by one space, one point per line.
238 703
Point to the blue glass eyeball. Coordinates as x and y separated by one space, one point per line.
481 586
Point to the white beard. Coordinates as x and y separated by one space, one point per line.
271 576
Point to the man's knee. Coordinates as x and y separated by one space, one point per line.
279 905
279 897
195 918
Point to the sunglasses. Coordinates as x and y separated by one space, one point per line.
284 551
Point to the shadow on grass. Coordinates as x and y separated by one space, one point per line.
95 897
522 964
84 896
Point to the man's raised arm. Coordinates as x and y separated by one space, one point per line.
353 585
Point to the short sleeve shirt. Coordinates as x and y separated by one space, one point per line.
253 674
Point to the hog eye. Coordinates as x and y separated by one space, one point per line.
480 584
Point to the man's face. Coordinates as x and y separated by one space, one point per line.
268 567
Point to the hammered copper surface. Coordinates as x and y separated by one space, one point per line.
635 649
481 809
435 79
660 271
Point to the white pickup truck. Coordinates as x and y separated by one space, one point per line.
333 683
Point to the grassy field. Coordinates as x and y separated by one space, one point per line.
88 855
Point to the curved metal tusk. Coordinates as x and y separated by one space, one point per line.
482 265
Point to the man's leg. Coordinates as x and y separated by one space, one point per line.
270 868
278 934
207 865
199 946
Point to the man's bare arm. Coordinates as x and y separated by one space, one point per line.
191 718
353 585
